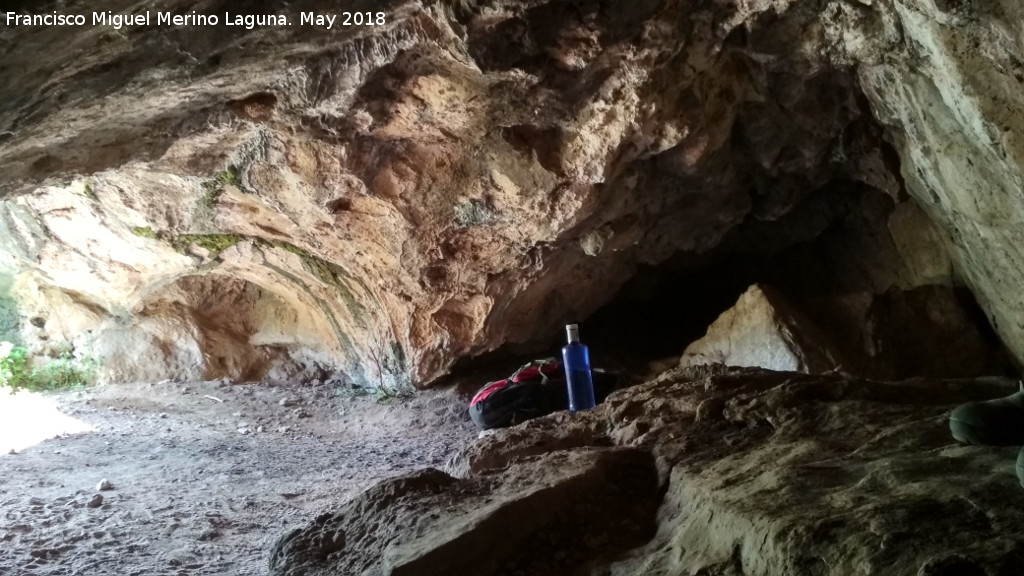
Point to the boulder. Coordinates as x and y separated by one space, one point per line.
932 330
927 331
554 514
763 329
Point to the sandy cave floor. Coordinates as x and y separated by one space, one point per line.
202 486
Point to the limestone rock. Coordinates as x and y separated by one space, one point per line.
763 329
550 515
945 77
930 330
785 473
382 201
927 331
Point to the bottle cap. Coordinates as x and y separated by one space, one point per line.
572 331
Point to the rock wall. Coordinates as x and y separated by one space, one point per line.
384 200
946 80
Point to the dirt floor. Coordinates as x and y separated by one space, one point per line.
206 476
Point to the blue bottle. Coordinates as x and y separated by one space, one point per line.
576 360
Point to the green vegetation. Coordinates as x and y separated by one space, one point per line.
67 370
290 248
144 232
382 393
213 188
229 176
10 316
90 193
472 213
385 394
213 243
211 192
14 371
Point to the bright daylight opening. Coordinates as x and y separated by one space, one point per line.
28 418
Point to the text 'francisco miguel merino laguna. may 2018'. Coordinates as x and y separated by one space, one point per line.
193 18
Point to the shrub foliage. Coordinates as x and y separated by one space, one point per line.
67 370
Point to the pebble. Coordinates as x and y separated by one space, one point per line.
284 429
300 413
13 451
286 402
104 485
96 501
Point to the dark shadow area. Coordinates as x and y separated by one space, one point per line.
835 257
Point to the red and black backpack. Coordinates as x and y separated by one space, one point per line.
536 389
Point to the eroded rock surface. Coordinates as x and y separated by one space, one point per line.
946 79
392 198
772 473
471 174
569 510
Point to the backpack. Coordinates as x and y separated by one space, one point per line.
536 389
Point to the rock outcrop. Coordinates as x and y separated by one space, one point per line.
384 200
569 510
763 473
924 331
764 330
946 80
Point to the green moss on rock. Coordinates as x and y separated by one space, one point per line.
213 243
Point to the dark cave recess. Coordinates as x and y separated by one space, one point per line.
834 244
